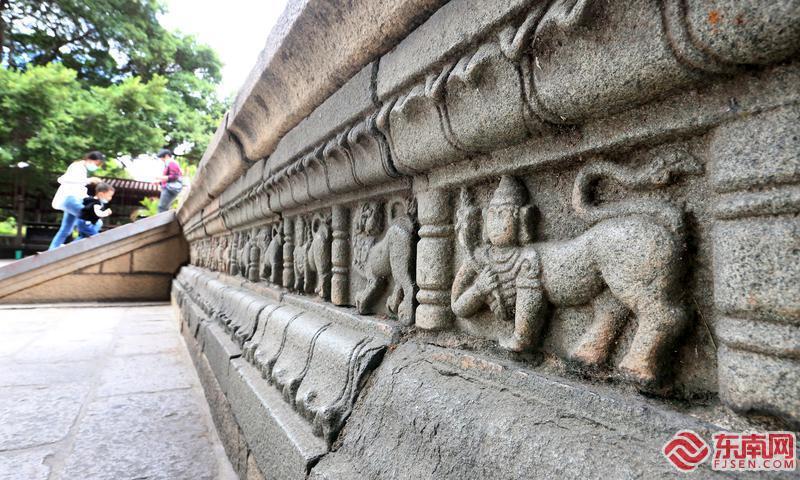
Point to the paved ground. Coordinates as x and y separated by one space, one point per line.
97 392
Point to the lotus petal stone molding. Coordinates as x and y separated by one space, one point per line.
316 365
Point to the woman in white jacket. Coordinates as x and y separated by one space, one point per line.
71 192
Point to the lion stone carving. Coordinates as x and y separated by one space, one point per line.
272 258
243 254
390 258
312 255
628 261
319 258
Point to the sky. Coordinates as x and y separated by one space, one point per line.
236 29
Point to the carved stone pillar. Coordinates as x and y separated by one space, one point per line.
340 256
254 257
434 260
233 262
288 253
756 241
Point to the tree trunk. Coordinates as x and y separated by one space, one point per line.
3 6
21 209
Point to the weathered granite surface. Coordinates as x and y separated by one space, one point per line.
289 375
315 48
490 419
532 239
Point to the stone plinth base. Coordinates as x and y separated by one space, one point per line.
291 398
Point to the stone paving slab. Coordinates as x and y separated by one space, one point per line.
31 416
27 464
46 374
102 392
144 374
148 343
158 428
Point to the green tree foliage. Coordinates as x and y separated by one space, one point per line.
149 207
47 118
79 75
8 227
100 39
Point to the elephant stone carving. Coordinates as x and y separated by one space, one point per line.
390 258
628 260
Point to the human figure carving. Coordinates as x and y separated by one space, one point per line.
211 251
504 274
629 261
388 258
213 245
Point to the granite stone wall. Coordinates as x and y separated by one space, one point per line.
529 239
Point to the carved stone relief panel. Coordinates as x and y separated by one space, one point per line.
605 255
311 254
588 263
383 236
358 254
588 190
271 260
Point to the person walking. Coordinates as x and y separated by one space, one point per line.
94 210
71 192
171 180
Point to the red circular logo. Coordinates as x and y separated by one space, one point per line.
686 450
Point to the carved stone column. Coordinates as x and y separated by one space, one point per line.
254 257
340 256
756 241
233 261
434 260
288 253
